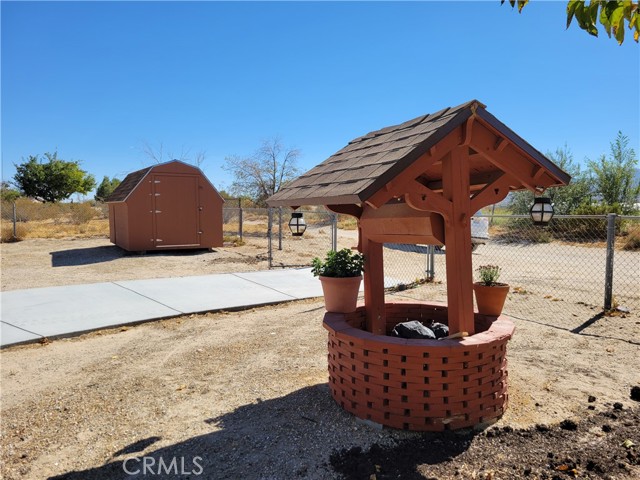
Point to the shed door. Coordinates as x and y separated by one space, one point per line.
176 210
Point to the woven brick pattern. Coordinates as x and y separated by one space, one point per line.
418 384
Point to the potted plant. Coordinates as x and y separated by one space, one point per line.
490 295
340 275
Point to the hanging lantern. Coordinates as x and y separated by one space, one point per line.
541 211
297 225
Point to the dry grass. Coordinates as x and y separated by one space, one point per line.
347 222
52 229
54 220
7 233
632 240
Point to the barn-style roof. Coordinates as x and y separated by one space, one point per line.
368 163
132 180
128 185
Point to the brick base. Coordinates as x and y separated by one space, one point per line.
428 385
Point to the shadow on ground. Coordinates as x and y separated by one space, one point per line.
287 437
107 253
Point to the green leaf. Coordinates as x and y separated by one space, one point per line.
571 10
620 31
605 19
593 11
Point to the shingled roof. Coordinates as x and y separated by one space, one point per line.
127 186
354 173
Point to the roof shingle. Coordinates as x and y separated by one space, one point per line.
367 163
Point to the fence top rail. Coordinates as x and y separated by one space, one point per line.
599 217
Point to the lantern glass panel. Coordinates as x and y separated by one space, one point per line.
541 211
297 225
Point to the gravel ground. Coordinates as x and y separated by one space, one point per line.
244 394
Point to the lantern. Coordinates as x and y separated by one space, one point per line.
541 211
297 225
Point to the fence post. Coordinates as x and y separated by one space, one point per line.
608 276
430 270
269 232
15 221
334 232
240 218
279 228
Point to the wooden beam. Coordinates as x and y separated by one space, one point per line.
353 210
398 186
373 285
493 192
479 179
468 130
537 172
423 198
455 177
500 144
505 157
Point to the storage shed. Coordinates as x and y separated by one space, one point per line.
167 206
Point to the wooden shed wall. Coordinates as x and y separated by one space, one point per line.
173 206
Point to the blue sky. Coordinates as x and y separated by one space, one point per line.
95 81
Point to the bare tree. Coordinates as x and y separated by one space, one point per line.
263 173
159 155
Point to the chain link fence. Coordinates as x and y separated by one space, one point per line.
576 260
25 218
286 250
573 261
271 225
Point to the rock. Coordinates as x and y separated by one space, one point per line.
606 428
440 330
635 393
591 399
617 406
413 329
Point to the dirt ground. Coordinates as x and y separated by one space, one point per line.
244 394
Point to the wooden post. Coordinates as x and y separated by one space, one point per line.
373 286
455 184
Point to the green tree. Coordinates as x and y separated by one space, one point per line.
614 16
53 180
106 188
613 179
265 172
7 193
566 200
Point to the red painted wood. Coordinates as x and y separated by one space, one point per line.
376 377
374 286
455 184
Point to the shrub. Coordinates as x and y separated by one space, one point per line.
81 213
633 240
489 274
343 263
7 233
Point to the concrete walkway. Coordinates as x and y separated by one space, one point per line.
30 315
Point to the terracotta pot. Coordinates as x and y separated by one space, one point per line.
340 294
490 300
